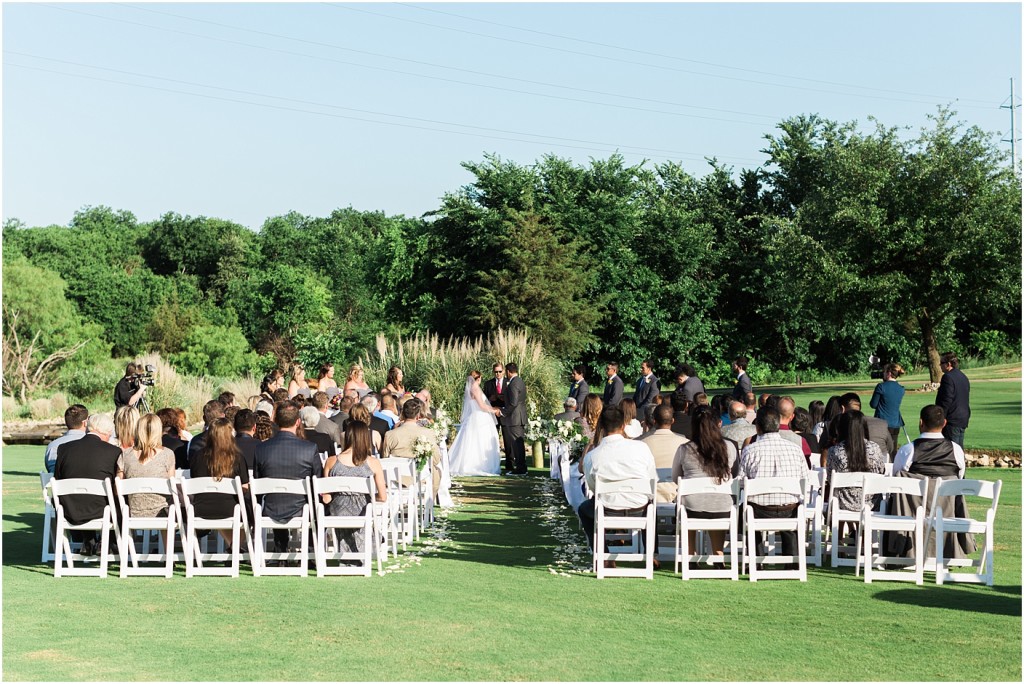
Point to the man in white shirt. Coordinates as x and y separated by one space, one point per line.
931 454
74 418
616 458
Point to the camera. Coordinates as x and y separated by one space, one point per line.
139 379
876 367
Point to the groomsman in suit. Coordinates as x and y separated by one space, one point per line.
494 388
513 421
647 388
739 367
687 382
613 387
580 389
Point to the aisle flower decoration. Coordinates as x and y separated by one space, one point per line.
442 425
423 450
536 430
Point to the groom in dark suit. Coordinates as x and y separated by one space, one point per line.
513 421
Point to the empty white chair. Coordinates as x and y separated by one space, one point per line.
49 514
236 522
685 524
103 524
168 525
839 518
302 523
327 526
792 486
942 522
814 514
872 523
606 519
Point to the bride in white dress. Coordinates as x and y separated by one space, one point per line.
475 451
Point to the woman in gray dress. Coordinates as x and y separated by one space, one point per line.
147 458
708 455
354 461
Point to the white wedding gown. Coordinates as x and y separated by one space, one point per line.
475 450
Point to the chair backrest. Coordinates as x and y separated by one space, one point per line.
44 480
208 485
775 485
843 480
980 488
702 485
880 484
396 468
637 485
344 485
182 473
79 485
145 485
275 485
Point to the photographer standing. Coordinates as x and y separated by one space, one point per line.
886 401
129 389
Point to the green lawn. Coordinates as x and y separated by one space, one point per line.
479 601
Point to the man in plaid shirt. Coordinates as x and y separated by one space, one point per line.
769 455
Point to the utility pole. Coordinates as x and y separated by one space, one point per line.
1013 139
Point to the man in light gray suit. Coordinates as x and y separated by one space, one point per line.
570 413
326 425
739 429
513 422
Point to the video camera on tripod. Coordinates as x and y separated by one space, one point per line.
139 379
876 367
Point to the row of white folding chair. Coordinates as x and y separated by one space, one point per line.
939 524
782 486
605 519
328 525
104 524
686 524
403 486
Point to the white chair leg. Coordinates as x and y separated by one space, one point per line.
940 561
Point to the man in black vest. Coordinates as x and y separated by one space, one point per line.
931 454
954 398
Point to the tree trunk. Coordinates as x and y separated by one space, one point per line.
931 348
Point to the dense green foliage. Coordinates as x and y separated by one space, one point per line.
845 243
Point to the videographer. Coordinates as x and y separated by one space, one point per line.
129 389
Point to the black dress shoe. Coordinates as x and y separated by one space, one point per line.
88 547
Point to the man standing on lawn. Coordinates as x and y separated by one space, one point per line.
954 398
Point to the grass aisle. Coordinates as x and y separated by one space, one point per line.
494 592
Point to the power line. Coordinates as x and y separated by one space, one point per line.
558 141
627 61
684 59
404 73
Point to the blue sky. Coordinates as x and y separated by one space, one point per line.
249 110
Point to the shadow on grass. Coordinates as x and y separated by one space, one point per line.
968 599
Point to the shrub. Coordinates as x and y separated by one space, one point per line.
242 388
11 408
993 346
217 350
178 391
442 366
88 383
39 409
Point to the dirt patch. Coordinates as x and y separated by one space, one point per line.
47 654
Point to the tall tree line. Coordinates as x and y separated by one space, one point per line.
845 243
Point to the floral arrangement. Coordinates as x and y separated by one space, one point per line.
537 429
423 449
442 425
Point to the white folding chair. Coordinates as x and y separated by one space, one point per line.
387 514
814 514
940 524
49 515
262 525
876 522
425 497
169 525
400 474
793 486
684 524
360 486
102 524
606 519
236 522
839 518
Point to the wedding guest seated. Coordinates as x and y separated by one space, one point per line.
570 413
681 424
170 439
91 457
394 384
148 457
750 401
361 414
357 381
401 442
664 444
354 461
325 424
228 399
853 453
371 402
212 410
74 419
125 420
787 407
245 436
219 458
632 429
265 428
801 425
709 454
592 407
739 430
388 410
616 458
341 416
310 417
427 411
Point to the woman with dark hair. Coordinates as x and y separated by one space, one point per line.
395 380
832 409
817 411
170 438
271 383
708 454
325 379
265 428
853 453
801 425
633 427
219 458
886 401
354 461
